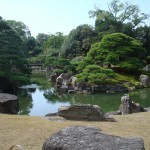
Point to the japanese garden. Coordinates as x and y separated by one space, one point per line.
92 68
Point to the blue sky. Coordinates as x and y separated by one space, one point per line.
51 16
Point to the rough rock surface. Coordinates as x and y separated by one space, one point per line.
89 138
66 82
147 68
108 88
53 78
9 104
145 80
147 109
127 106
83 112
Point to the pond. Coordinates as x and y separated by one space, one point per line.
39 99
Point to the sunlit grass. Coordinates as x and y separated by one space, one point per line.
31 132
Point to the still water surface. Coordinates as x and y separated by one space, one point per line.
38 100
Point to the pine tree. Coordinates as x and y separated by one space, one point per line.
13 64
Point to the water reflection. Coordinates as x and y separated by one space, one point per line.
141 96
38 101
25 102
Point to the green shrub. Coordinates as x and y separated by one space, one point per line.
94 74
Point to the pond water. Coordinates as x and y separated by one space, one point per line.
39 100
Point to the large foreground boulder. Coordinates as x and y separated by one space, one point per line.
90 138
83 112
9 104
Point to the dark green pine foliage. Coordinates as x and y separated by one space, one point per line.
120 50
13 64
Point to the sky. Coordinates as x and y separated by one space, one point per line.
51 16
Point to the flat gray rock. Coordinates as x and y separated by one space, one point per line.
90 138
86 112
4 97
9 104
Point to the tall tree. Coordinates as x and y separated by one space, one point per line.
12 60
143 34
53 44
116 17
41 37
31 47
20 28
78 41
117 49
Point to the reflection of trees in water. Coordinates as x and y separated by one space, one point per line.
25 100
107 102
53 96
31 90
41 80
141 96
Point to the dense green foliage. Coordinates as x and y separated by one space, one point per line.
120 17
94 74
118 40
78 42
58 65
120 50
12 61
20 28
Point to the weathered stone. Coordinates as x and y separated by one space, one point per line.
113 113
51 114
83 112
147 109
71 91
147 68
53 78
107 88
9 104
66 82
145 80
127 106
90 138
59 81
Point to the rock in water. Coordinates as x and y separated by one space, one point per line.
127 106
145 80
9 104
147 68
90 138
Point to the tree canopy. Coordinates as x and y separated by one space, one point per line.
118 39
117 49
12 60
119 14
78 42
20 28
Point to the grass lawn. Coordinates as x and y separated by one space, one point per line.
31 132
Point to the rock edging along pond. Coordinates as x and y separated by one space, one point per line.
43 98
70 83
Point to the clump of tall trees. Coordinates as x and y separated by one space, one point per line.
119 39
13 63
